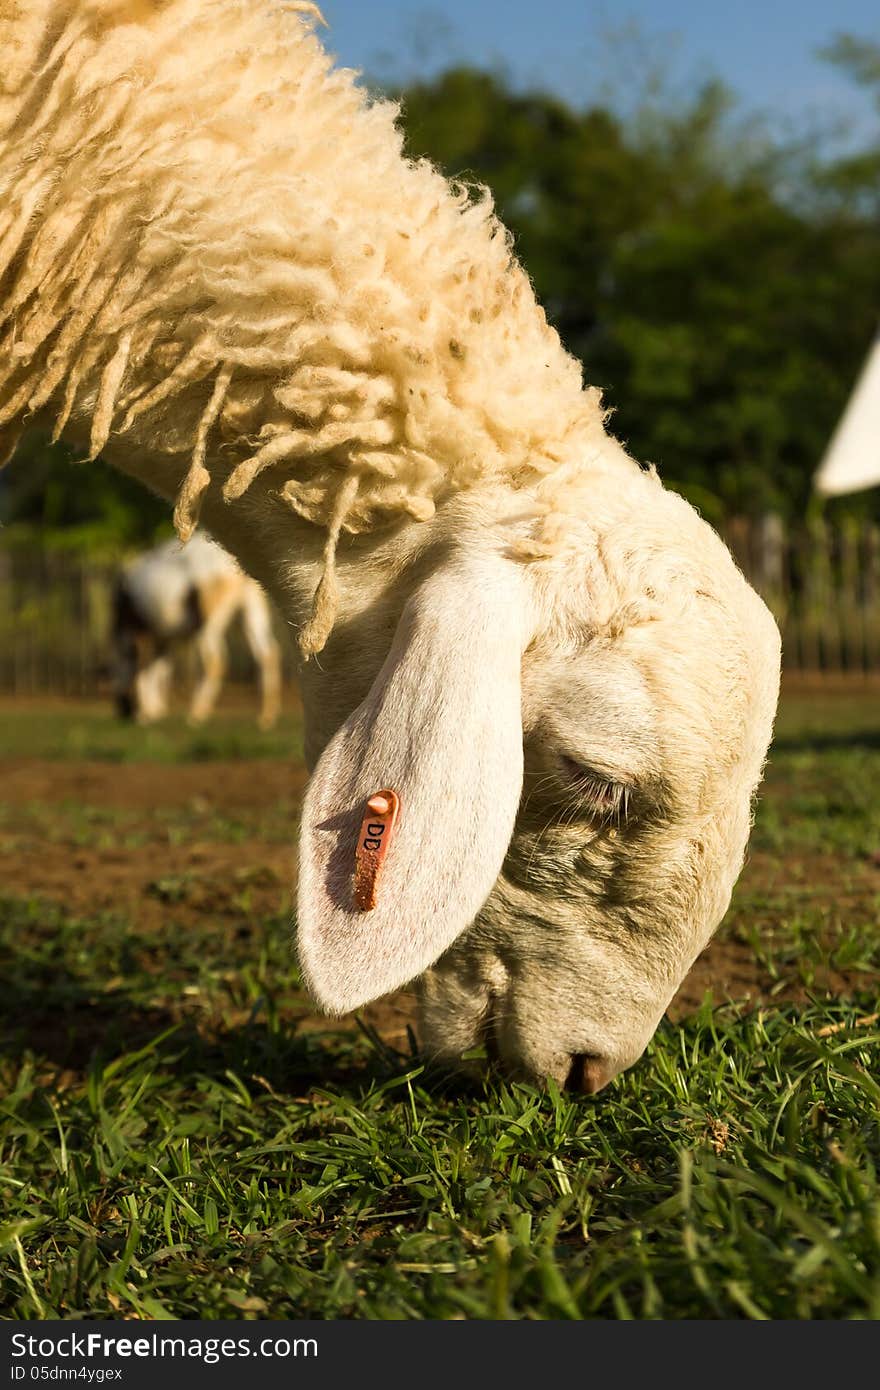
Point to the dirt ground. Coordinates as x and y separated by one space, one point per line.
88 878
204 875
132 837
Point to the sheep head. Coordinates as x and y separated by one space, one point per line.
576 740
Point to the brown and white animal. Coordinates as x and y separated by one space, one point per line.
218 269
178 593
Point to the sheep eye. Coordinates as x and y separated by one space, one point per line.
605 799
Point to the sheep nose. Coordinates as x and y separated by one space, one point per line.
587 1074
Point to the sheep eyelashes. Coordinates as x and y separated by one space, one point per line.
374 841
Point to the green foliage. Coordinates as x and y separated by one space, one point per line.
859 57
854 181
48 495
723 305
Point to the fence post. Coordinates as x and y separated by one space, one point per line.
849 605
870 595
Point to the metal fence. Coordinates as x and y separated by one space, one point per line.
822 583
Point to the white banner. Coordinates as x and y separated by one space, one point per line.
852 459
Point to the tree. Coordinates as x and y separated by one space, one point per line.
724 316
45 491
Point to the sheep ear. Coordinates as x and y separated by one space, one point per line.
442 727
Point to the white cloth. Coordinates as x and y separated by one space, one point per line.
852 459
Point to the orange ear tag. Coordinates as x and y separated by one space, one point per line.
377 828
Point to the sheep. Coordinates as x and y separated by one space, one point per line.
221 272
172 594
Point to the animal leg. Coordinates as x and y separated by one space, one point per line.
257 627
153 686
211 649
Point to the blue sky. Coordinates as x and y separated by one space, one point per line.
764 49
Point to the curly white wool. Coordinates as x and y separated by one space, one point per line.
211 243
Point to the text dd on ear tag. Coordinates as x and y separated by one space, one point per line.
376 833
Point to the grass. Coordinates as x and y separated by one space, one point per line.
178 1138
71 823
74 730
